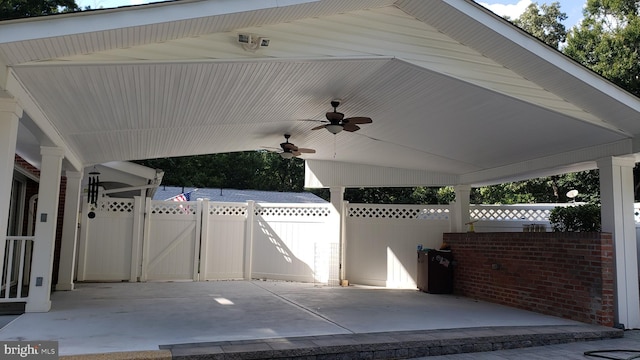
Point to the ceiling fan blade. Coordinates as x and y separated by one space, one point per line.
296 153
319 127
350 127
306 151
358 120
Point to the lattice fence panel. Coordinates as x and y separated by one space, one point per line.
531 214
227 209
292 211
391 212
173 208
115 205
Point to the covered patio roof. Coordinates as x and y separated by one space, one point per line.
457 94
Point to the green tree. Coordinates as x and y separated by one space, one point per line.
15 9
259 170
544 22
607 41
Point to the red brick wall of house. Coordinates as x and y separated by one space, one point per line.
32 189
569 275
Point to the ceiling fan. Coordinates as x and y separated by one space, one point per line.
289 150
337 122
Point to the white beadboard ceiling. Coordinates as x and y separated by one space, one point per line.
452 89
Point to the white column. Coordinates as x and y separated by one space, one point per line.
136 245
10 114
45 232
461 208
337 201
69 231
616 197
248 240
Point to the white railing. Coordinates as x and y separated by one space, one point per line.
17 267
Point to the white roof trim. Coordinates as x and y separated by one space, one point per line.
99 20
322 173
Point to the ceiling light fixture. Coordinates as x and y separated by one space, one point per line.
286 155
333 128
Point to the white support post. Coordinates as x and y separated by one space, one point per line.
204 240
248 240
45 234
82 241
616 196
461 216
337 200
342 246
136 244
69 231
146 237
10 113
197 242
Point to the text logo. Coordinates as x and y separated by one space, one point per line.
36 350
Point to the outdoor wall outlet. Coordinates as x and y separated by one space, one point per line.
495 266
39 281
43 217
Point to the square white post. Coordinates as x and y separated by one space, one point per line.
460 209
616 197
10 114
69 231
337 200
45 233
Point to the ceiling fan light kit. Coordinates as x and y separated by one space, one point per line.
336 121
334 128
289 150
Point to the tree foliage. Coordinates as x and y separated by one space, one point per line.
544 22
16 9
576 218
607 41
259 170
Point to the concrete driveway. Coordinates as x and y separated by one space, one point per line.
113 317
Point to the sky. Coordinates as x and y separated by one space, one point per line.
512 8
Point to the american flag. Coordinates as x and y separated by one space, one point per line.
182 197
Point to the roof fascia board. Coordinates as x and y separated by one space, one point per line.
133 169
326 173
536 48
40 119
102 20
572 161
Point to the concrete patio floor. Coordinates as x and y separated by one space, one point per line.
115 317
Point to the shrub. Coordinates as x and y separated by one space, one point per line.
580 218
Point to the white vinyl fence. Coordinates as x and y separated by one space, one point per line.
203 240
145 240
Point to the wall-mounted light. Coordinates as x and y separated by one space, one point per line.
252 42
